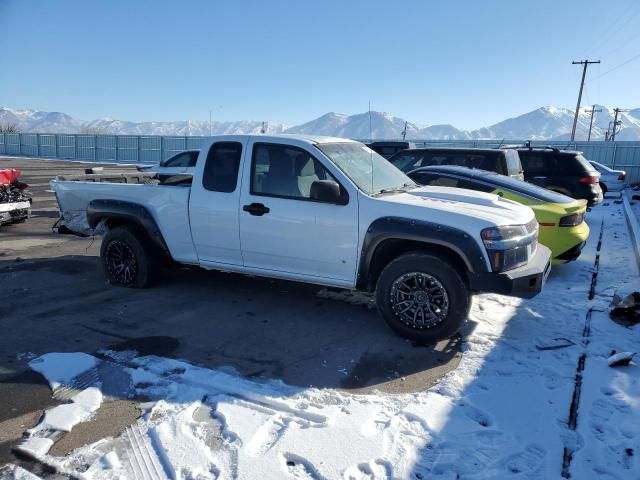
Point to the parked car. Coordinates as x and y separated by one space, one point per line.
388 148
610 180
563 171
321 210
561 218
15 201
503 161
178 164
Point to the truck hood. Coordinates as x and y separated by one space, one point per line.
479 205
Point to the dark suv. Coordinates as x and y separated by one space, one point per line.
563 171
387 149
502 161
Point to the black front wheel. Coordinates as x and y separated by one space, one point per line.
127 257
422 297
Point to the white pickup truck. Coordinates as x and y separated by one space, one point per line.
322 210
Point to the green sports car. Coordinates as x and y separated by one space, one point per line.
561 218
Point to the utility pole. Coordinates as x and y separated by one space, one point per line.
210 125
263 129
404 131
584 73
593 110
616 122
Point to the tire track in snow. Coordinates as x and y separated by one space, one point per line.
572 423
88 378
143 460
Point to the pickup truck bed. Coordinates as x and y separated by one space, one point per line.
166 202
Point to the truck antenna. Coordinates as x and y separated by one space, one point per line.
370 141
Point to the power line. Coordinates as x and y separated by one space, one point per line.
615 31
622 44
614 68
584 73
607 32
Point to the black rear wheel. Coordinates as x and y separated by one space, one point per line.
128 258
604 188
422 297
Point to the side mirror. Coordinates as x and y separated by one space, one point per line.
327 191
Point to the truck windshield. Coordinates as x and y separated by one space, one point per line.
372 173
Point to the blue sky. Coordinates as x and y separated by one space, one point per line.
468 63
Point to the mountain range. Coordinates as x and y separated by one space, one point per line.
545 123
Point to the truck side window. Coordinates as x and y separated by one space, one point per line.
221 169
186 159
284 171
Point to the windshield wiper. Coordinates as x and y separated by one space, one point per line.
402 188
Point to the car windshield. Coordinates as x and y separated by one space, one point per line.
372 173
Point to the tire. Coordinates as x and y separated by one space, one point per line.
423 270
604 189
128 245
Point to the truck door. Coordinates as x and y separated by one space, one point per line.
213 205
282 229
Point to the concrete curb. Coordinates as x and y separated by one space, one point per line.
634 226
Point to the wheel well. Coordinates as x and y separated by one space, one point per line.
603 187
390 249
117 221
113 222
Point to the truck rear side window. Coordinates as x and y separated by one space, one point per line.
185 159
221 169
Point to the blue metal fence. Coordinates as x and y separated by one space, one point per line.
153 149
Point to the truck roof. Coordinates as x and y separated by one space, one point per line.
311 139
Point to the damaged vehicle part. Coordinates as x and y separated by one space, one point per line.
15 201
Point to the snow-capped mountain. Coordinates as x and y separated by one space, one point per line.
187 127
555 123
56 122
541 124
382 126
38 121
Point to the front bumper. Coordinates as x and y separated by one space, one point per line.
14 212
524 282
571 254
564 239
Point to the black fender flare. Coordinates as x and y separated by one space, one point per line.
126 212
428 233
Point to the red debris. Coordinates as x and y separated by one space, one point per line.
8 176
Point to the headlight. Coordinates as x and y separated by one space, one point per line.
572 220
510 246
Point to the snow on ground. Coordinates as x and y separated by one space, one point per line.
504 412
15 472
